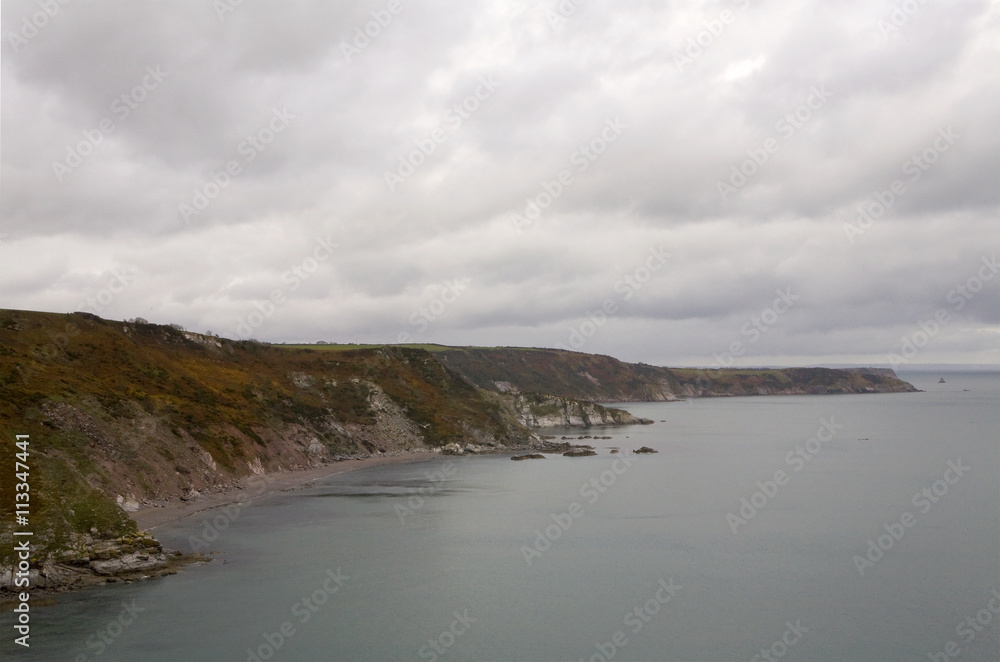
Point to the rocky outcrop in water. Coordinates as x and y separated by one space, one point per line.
86 561
580 452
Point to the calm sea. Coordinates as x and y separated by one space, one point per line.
839 528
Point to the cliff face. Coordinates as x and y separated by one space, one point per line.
85 561
544 411
605 379
571 375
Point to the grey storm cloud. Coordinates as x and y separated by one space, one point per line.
512 173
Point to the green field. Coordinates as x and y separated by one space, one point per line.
427 347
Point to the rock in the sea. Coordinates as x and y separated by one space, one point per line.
646 449
468 449
579 452
129 563
529 456
87 561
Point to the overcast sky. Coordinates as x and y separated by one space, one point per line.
659 181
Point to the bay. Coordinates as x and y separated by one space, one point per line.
481 558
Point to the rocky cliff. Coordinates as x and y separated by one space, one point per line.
537 410
598 378
84 560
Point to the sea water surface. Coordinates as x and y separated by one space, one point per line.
839 556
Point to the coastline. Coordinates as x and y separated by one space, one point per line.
142 557
257 486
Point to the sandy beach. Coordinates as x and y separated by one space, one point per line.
256 486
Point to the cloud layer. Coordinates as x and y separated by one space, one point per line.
640 179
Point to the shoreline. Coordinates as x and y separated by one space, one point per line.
71 577
253 487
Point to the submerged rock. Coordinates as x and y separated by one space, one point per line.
579 452
646 449
529 456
